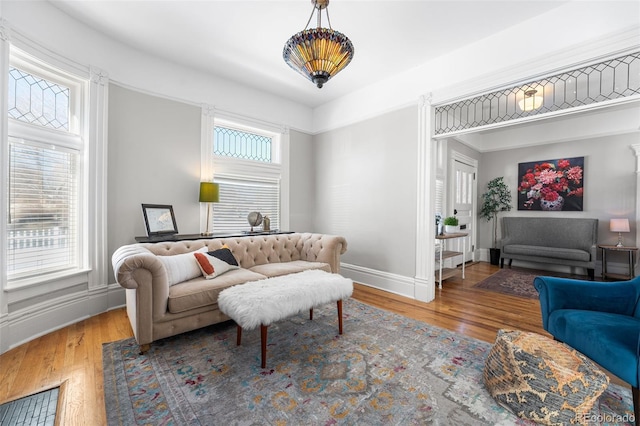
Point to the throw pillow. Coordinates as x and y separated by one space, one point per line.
224 254
181 267
211 266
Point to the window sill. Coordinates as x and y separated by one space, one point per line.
26 288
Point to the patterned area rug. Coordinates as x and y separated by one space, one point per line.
519 282
385 369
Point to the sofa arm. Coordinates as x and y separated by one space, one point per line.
504 242
563 293
128 260
323 248
145 278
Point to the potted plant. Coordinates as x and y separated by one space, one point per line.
451 224
496 199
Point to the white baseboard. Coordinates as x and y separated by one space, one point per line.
393 283
27 324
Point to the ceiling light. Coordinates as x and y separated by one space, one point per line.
530 101
318 53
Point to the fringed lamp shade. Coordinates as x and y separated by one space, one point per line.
318 53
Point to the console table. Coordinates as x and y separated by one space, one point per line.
444 273
631 252
192 237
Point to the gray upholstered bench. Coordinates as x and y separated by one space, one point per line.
263 302
563 241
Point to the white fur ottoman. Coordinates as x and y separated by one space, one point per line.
263 302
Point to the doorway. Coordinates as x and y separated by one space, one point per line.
463 190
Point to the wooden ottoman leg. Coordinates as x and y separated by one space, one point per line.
263 344
340 316
238 335
311 314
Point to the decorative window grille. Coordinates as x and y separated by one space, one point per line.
38 101
605 81
247 168
43 229
243 145
239 197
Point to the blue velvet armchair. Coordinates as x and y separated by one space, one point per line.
599 319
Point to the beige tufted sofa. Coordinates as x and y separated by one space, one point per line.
157 309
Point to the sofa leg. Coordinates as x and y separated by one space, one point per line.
592 273
145 348
636 404
502 263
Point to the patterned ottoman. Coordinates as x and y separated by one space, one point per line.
541 379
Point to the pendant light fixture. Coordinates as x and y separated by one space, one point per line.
318 53
531 101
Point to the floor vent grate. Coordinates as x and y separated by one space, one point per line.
37 409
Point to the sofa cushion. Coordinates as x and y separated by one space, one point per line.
602 336
550 252
224 254
211 266
181 267
284 268
201 292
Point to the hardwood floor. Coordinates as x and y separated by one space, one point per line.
73 355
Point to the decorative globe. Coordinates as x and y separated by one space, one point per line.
254 219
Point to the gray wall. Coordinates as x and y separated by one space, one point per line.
154 157
366 178
609 180
302 182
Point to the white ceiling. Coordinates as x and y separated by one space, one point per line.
243 40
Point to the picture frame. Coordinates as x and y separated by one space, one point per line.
159 219
552 185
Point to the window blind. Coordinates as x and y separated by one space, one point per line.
43 209
239 197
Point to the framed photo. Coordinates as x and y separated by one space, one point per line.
159 219
551 185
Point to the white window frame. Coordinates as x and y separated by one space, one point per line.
88 134
71 140
223 167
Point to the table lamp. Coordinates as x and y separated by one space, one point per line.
619 226
209 193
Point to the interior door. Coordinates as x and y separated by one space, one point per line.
464 200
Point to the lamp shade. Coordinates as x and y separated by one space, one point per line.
619 225
209 192
318 53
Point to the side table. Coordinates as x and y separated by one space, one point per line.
444 273
631 252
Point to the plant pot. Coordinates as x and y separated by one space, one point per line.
450 229
494 256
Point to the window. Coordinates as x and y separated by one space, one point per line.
248 169
44 173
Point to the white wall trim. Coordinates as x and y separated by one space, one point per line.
425 289
393 283
43 318
636 150
4 153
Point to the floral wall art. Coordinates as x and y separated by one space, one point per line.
551 185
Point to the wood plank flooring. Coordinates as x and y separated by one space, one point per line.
73 355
